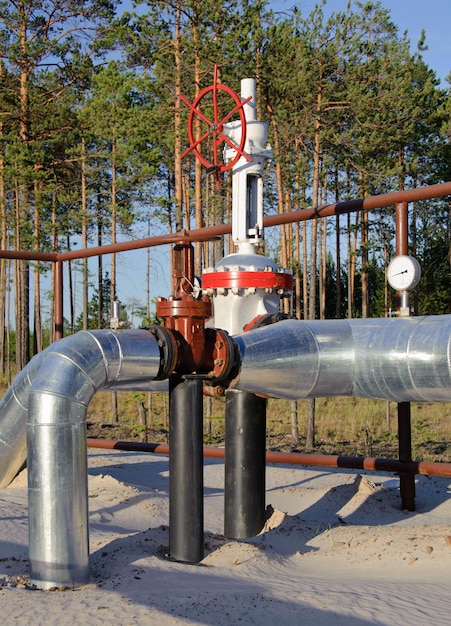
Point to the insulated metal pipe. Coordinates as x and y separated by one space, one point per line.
399 359
14 404
69 373
186 469
245 464
13 418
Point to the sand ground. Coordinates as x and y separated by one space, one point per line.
336 550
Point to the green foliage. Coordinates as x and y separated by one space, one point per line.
88 132
98 313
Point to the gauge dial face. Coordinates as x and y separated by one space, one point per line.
404 273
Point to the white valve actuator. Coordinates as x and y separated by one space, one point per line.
247 183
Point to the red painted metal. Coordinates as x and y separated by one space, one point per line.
200 350
294 458
215 127
402 228
185 315
243 280
124 246
370 203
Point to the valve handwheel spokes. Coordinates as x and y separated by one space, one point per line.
214 135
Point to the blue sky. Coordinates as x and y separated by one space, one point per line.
411 15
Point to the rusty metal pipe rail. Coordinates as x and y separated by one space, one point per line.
369 203
294 458
31 255
211 232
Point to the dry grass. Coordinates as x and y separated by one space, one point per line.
352 426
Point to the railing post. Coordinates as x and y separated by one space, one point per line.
58 309
406 480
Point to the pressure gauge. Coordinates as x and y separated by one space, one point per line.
404 273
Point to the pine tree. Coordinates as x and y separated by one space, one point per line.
33 36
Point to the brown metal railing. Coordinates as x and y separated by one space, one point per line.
335 461
211 232
405 465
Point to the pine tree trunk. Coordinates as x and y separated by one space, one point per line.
279 184
9 269
84 234
113 290
352 251
288 241
304 265
315 202
323 269
310 436
22 219
3 262
37 336
100 291
71 290
298 283
21 285
337 253
364 246
197 166
178 122
294 423
310 441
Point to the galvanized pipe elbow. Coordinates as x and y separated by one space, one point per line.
71 371
13 417
51 395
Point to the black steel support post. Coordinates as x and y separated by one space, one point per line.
407 480
186 483
245 464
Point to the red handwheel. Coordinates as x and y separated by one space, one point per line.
207 107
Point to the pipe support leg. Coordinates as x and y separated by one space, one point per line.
245 464
186 506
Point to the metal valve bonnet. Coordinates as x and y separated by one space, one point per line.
246 285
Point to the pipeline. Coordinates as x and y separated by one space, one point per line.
424 468
398 359
13 419
56 387
403 360
114 346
